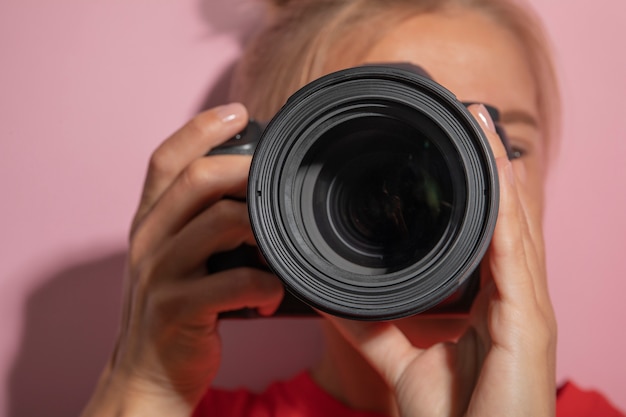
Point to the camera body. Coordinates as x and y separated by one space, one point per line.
372 194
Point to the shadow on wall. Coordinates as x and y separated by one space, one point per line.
69 331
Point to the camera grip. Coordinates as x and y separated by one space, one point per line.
243 143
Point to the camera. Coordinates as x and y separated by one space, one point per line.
372 194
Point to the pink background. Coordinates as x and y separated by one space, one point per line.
87 90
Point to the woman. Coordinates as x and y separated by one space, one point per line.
500 360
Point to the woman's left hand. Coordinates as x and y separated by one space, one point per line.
504 364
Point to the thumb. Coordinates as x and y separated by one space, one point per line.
382 344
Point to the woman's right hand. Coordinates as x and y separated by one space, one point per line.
168 350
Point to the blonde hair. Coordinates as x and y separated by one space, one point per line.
304 35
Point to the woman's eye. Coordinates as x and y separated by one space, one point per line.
516 153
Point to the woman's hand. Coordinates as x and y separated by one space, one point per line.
168 350
504 364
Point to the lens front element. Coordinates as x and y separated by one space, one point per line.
381 193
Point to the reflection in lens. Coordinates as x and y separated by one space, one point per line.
383 195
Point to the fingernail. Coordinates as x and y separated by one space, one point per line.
229 112
484 118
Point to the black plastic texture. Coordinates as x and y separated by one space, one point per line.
244 143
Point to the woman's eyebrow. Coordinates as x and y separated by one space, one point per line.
519 116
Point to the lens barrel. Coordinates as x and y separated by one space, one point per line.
373 193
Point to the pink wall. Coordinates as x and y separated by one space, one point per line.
87 89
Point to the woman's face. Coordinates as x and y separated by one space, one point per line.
479 61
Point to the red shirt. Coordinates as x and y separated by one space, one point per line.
302 397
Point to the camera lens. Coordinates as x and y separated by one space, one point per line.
376 194
373 193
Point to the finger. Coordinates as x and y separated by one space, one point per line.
532 232
231 290
483 118
193 140
535 258
535 246
530 229
222 227
201 184
509 252
530 225
382 344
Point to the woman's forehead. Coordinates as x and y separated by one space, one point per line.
468 53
